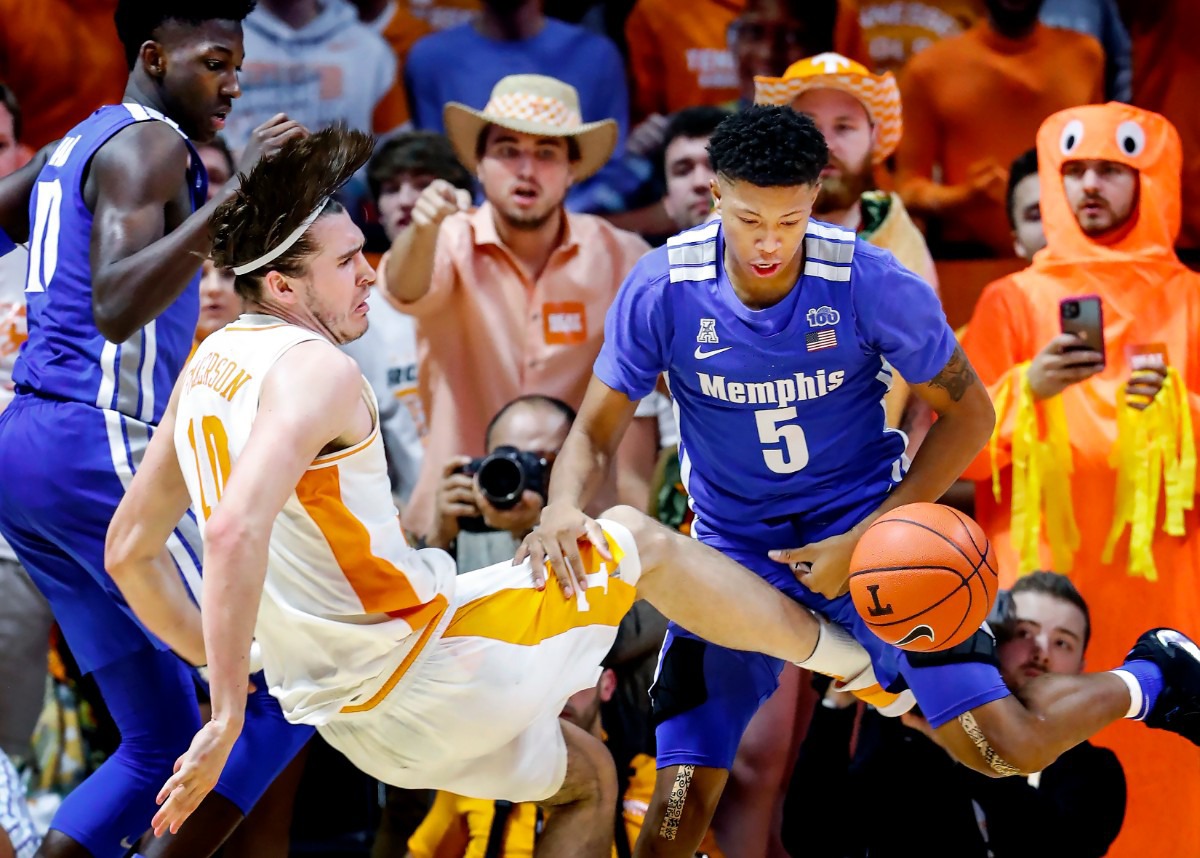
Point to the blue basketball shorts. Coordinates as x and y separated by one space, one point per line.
705 695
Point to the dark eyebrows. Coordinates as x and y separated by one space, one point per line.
352 253
1059 629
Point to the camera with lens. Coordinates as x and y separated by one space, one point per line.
503 476
1070 309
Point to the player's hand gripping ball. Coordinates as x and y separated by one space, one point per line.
923 577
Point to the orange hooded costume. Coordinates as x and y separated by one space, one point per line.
1105 492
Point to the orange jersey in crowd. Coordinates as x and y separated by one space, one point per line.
62 59
980 97
1152 578
678 60
894 30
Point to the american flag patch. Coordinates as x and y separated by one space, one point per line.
817 340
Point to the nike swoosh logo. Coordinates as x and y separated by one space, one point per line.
701 354
921 631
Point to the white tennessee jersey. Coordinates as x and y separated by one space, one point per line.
346 604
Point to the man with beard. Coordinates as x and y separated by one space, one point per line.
973 103
859 116
509 298
1074 808
1054 487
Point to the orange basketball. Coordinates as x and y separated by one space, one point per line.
923 577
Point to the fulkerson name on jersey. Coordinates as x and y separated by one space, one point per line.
220 373
780 391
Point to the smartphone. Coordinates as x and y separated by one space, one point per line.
1084 317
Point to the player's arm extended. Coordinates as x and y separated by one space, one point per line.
595 436
580 468
135 552
965 421
311 398
138 268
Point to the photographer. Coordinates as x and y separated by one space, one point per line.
479 518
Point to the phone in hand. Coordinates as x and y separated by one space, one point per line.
1083 316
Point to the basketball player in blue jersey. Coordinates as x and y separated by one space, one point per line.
778 335
117 229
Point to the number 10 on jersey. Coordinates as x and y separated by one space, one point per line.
213 449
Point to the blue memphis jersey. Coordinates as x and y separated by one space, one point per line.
66 357
780 410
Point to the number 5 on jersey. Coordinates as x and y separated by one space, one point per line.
216 456
794 454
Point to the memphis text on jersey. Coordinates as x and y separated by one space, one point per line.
220 373
799 387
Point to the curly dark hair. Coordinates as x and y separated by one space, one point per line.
280 192
768 146
138 19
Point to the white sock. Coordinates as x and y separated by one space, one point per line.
631 564
837 653
1136 698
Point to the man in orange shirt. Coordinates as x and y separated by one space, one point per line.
1083 449
972 103
895 30
510 298
711 54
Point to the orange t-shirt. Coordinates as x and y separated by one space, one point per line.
1148 297
1166 76
486 334
62 59
401 31
981 97
683 60
895 30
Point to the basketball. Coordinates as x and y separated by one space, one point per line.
923 577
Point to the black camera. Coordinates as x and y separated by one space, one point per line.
1070 309
503 476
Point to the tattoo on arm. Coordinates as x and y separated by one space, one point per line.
956 376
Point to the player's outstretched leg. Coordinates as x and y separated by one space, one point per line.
721 601
579 822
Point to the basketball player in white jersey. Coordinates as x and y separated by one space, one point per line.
420 677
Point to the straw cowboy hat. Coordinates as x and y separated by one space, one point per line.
878 93
532 104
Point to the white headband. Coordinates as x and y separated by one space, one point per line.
293 237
